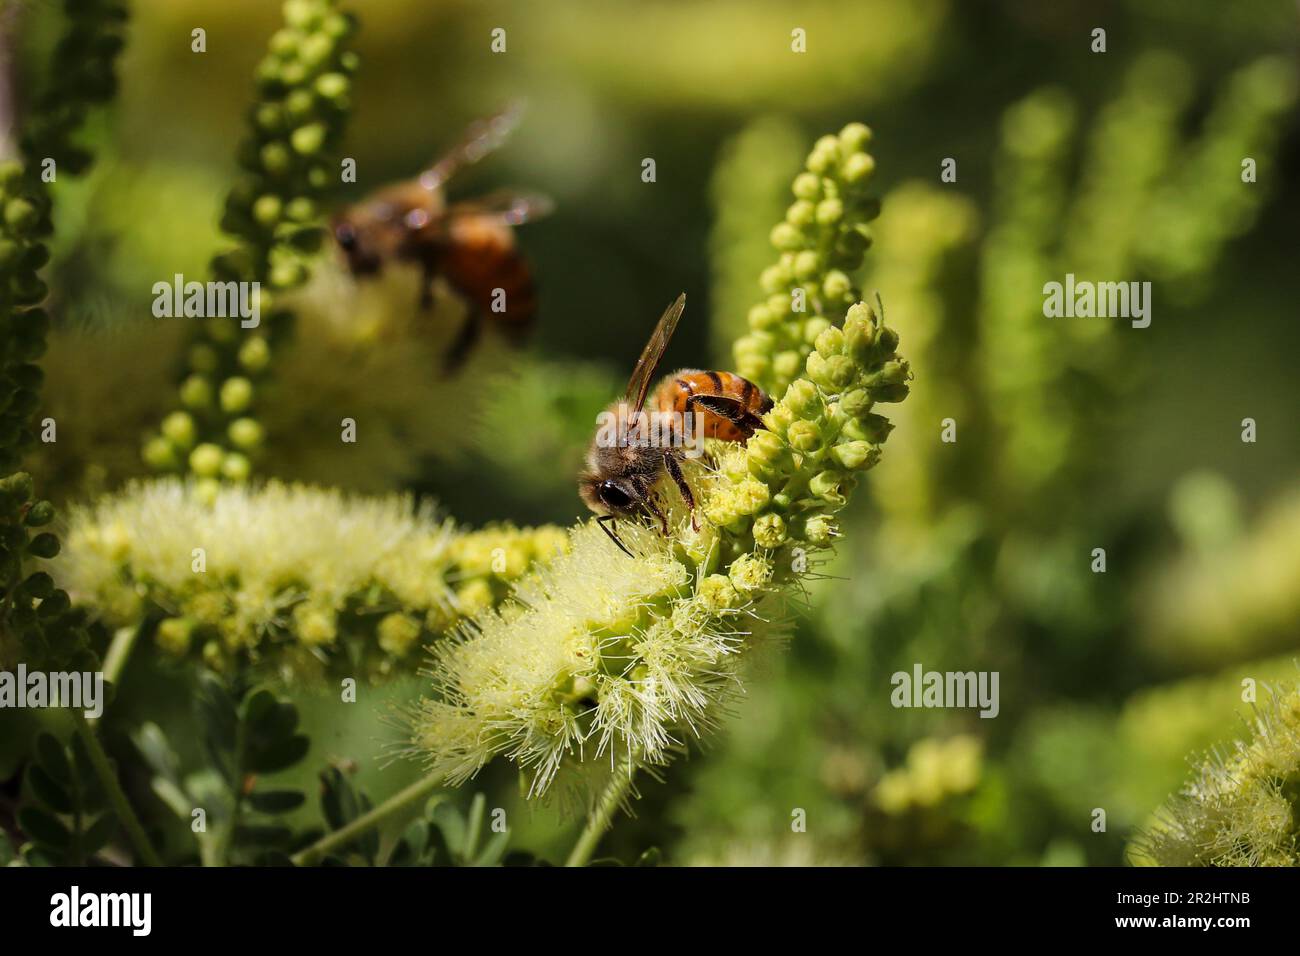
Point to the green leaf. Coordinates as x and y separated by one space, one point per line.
53 759
256 706
271 722
276 801
99 833
47 791
338 800
341 804
156 750
262 835
216 712
278 755
273 858
176 799
449 823
473 827
410 849
34 855
369 842
439 852
92 791
494 849
522 858
45 828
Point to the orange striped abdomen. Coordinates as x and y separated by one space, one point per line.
481 257
732 407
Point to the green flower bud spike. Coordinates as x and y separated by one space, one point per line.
303 102
821 244
37 622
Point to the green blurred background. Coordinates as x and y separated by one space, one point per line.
1072 434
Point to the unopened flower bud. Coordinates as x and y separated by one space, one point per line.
858 168
205 461
786 236
826 485
787 364
236 394
178 428
804 436
829 211
808 186
830 342
856 455
801 215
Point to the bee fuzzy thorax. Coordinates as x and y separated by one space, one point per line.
621 425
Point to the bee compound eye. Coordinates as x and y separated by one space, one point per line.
613 496
346 235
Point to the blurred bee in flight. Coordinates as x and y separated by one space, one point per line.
633 450
469 244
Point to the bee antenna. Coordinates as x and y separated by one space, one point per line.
602 520
880 305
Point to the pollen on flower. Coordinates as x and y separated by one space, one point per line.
717 593
287 569
597 654
750 572
1238 809
770 531
314 625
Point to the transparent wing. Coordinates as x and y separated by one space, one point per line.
512 207
639 385
482 137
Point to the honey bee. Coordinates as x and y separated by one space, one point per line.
470 244
624 467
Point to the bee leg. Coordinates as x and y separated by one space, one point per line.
464 342
728 408
675 470
428 262
602 520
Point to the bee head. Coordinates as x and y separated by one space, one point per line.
361 260
613 496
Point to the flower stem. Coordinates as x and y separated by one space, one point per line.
116 656
598 822
116 796
118 652
368 821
